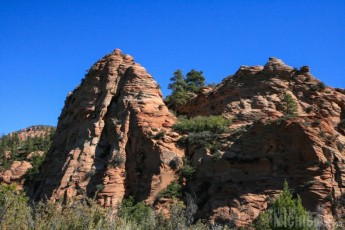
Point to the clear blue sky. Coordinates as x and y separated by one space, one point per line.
46 46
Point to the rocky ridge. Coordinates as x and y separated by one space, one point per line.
18 149
115 136
265 146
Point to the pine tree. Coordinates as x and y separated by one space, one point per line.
183 87
285 213
195 80
290 108
179 93
178 82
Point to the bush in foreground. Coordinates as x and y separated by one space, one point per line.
285 213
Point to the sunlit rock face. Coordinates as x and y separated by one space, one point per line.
264 147
113 135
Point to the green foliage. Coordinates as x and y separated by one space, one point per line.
31 175
179 95
205 139
174 163
309 109
195 80
19 149
183 87
285 213
178 81
187 170
17 213
316 123
290 106
174 190
340 146
14 212
200 124
318 87
134 212
159 135
321 86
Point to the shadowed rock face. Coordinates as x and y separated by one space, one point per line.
114 133
263 148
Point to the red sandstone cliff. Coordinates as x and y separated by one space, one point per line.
114 132
264 147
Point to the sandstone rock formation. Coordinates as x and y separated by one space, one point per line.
34 131
265 146
15 173
34 154
113 135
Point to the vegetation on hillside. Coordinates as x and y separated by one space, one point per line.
17 212
183 87
12 148
290 106
202 124
202 132
285 213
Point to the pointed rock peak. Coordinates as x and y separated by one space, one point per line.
275 64
274 59
116 116
117 51
248 70
128 58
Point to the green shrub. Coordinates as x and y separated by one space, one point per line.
309 109
314 88
203 139
32 174
136 212
200 124
17 213
174 163
159 135
318 87
340 146
316 123
290 106
14 211
173 190
321 86
187 171
285 213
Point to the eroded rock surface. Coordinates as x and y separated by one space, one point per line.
15 173
113 135
264 146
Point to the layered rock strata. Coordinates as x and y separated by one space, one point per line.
266 146
113 136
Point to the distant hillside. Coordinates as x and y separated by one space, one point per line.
18 145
